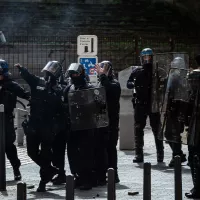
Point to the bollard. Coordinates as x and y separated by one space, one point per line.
147 182
70 187
111 193
177 178
20 116
21 191
2 150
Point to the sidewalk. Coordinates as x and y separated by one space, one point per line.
131 176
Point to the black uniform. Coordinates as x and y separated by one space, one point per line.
141 80
174 126
113 93
80 146
194 134
59 144
45 121
9 91
59 148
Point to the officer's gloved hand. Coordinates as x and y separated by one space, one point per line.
18 66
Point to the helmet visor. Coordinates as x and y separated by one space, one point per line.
54 68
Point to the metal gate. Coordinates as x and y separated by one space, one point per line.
34 52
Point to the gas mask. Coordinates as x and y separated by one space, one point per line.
76 72
78 80
50 80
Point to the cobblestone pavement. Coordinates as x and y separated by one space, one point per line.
131 176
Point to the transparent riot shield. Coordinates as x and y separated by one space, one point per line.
88 109
175 106
163 62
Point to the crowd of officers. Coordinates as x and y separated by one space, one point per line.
90 152
179 113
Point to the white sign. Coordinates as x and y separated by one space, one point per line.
87 45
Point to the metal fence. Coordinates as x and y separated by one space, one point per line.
35 51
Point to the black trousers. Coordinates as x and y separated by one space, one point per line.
80 149
58 149
39 148
10 137
176 149
100 153
113 135
173 131
194 161
140 116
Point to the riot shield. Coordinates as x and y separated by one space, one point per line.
88 109
162 64
175 106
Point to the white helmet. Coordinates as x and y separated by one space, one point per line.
178 62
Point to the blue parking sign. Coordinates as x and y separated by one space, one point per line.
88 63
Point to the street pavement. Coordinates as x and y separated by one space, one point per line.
131 176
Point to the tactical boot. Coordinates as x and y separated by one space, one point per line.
41 187
139 158
117 178
86 186
195 169
102 182
95 179
85 180
193 195
159 148
17 174
183 159
59 179
100 179
52 171
77 181
160 156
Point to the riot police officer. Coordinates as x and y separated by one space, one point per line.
9 91
174 125
45 120
141 81
80 142
194 130
113 92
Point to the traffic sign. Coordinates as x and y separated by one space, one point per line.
89 63
87 45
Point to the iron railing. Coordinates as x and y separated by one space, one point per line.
35 51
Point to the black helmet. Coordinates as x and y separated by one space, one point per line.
75 69
76 72
4 68
53 68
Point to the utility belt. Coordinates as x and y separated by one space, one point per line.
136 102
54 125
